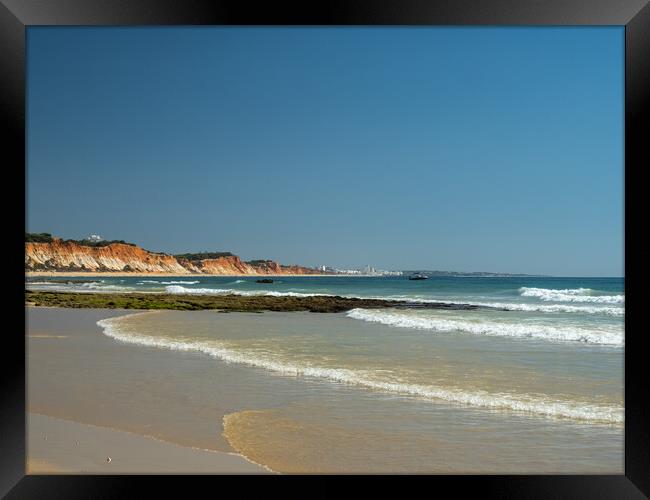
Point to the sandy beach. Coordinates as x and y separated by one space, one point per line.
86 403
208 392
56 446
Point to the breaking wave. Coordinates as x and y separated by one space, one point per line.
90 287
600 336
531 404
181 290
170 282
554 308
571 295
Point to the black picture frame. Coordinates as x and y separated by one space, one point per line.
17 15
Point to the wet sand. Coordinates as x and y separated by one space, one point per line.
56 446
84 387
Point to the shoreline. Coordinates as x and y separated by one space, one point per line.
69 434
87 377
63 446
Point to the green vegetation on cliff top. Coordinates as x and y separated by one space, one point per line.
38 238
48 238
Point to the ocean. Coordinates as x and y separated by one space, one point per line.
530 382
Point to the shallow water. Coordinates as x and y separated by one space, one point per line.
383 399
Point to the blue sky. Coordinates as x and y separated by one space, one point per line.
468 149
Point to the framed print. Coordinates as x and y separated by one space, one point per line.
359 241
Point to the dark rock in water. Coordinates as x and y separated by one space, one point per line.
265 280
223 303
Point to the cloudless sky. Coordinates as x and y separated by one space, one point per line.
467 149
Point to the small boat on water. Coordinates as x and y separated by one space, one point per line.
418 277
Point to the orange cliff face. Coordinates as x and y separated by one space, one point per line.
69 256
234 265
221 265
66 256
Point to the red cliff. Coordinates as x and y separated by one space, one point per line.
68 256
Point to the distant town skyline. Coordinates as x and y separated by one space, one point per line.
462 149
364 270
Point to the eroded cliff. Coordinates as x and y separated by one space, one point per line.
67 256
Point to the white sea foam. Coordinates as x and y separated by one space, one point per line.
107 287
531 404
602 335
181 290
511 306
554 308
571 295
80 287
51 283
98 285
169 282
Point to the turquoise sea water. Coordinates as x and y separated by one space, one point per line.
587 310
443 287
